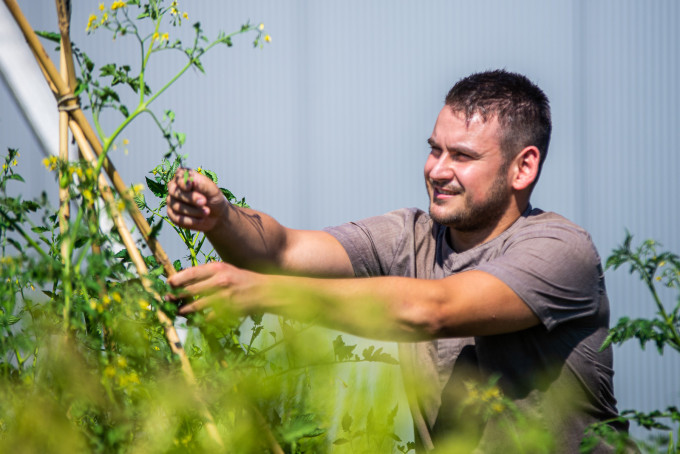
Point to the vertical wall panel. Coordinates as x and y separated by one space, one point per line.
629 59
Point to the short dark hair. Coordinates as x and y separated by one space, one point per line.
521 108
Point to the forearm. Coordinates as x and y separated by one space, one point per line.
386 308
248 238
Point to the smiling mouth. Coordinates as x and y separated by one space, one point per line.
442 193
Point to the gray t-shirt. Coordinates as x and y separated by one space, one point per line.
553 371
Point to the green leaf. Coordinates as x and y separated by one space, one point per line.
197 63
16 176
346 422
107 70
140 201
8 320
158 189
370 354
210 174
341 441
40 229
177 265
341 350
155 229
52 36
122 254
228 194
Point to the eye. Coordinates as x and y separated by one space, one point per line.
460 157
435 151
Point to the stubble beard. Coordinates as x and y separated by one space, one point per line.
477 216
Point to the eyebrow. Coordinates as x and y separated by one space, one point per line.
465 150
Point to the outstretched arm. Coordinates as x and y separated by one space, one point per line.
472 303
249 238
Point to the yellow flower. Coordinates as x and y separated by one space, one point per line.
87 195
185 15
116 297
173 11
105 17
268 38
155 347
490 394
101 7
4 167
658 278
261 27
122 362
110 371
120 205
200 170
498 407
116 5
15 163
154 37
50 163
660 264
165 37
90 22
136 189
125 141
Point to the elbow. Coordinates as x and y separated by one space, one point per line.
423 320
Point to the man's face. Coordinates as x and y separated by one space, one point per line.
465 172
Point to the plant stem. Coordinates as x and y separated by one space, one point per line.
28 239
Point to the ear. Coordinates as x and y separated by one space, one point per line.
524 168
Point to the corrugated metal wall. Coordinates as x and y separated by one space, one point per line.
328 123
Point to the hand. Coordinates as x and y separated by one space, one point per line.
221 286
194 201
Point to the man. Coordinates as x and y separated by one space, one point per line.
483 285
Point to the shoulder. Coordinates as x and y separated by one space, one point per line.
552 264
374 243
553 235
389 223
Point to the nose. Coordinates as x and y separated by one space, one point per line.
439 167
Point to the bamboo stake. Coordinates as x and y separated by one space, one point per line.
143 271
85 136
64 208
66 97
68 77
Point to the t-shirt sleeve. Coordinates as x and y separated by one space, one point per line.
554 269
373 243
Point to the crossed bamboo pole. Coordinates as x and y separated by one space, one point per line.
71 115
62 85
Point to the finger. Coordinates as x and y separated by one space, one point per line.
188 196
184 178
195 306
201 276
186 209
187 276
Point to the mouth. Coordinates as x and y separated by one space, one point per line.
441 193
